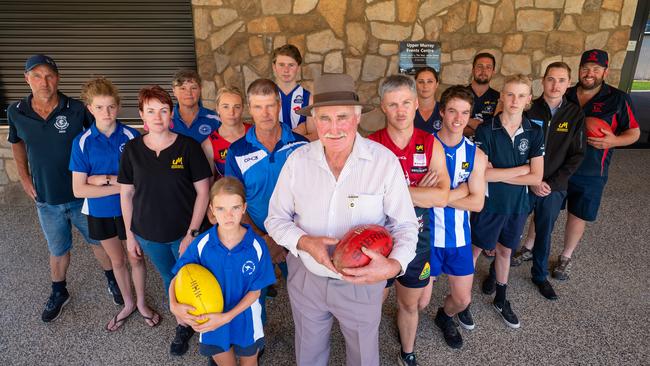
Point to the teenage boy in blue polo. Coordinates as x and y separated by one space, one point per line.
190 118
42 127
515 150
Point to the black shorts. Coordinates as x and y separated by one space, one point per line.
102 228
584 196
417 273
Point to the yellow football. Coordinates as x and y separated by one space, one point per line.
196 286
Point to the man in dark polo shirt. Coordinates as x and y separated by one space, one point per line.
41 129
485 98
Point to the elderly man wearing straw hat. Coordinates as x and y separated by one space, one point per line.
326 188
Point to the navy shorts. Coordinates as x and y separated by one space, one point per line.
417 273
488 229
102 228
452 261
584 196
210 350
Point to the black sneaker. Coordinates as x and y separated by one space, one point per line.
54 305
180 343
407 360
465 319
489 285
271 291
114 290
507 314
449 331
546 289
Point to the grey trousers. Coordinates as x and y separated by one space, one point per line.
315 301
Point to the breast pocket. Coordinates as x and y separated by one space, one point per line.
368 209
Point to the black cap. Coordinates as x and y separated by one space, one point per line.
596 56
36 60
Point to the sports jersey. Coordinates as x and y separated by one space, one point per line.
414 159
95 154
258 169
614 107
485 105
220 149
450 226
244 268
204 123
49 143
433 124
297 99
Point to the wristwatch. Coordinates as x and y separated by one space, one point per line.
194 233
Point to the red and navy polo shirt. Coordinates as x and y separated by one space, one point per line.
220 149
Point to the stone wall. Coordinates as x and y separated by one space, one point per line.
234 38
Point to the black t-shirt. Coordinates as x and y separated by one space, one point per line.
164 186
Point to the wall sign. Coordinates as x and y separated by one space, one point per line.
414 55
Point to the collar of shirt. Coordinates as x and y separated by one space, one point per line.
26 105
525 123
286 137
246 242
203 113
94 131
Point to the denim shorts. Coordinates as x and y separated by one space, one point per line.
56 222
162 255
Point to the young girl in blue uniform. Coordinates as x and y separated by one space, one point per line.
240 261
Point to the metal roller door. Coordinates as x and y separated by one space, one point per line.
132 43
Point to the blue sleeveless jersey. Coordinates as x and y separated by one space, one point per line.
297 99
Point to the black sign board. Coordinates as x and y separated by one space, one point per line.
414 55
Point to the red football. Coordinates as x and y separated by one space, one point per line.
348 252
593 126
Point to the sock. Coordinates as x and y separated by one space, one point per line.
110 276
59 286
500 297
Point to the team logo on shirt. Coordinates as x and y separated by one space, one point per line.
205 130
248 268
223 153
177 163
61 124
597 107
489 108
122 146
426 272
464 165
419 148
297 99
437 125
523 146
563 127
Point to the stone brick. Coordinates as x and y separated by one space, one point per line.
498 55
445 58
206 67
524 4
202 48
457 73
12 171
261 64
456 18
208 90
538 55
302 24
381 11
249 76
516 64
202 25
311 71
433 7
223 16
323 42
256 45
390 32
551 4
484 19
276 6
237 49
513 42
373 121
299 42
418 32
353 67
608 19
356 11
432 29
407 10
547 61
304 6
3 178
374 67
333 62
312 57
463 54
589 21
616 61
264 25
538 89
614 5
567 24
573 62
334 13
473 12
504 18
373 44
6 153
490 1
207 2
627 13
573 6
279 41
618 40
592 5
388 49
221 61
233 76
357 38
535 20
219 38
596 40
565 43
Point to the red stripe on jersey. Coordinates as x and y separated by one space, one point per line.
633 122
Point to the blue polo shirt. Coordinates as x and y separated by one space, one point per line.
433 124
485 105
258 169
204 123
48 144
95 154
506 152
244 268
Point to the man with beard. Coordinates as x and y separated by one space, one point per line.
602 101
485 98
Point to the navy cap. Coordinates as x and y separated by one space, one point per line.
36 60
596 56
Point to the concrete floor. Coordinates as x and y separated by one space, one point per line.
601 318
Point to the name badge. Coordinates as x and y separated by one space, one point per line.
419 160
352 201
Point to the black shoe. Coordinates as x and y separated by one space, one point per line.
546 289
54 305
406 360
211 362
507 314
489 285
180 343
114 290
449 331
271 291
465 319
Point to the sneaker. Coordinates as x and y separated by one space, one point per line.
408 360
465 319
271 291
507 314
449 331
523 255
114 290
546 289
489 285
54 305
180 343
561 270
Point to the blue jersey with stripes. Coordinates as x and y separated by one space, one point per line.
450 226
297 99
244 268
204 123
258 168
95 154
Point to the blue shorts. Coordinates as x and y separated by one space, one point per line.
488 229
452 261
247 351
417 273
584 195
56 222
